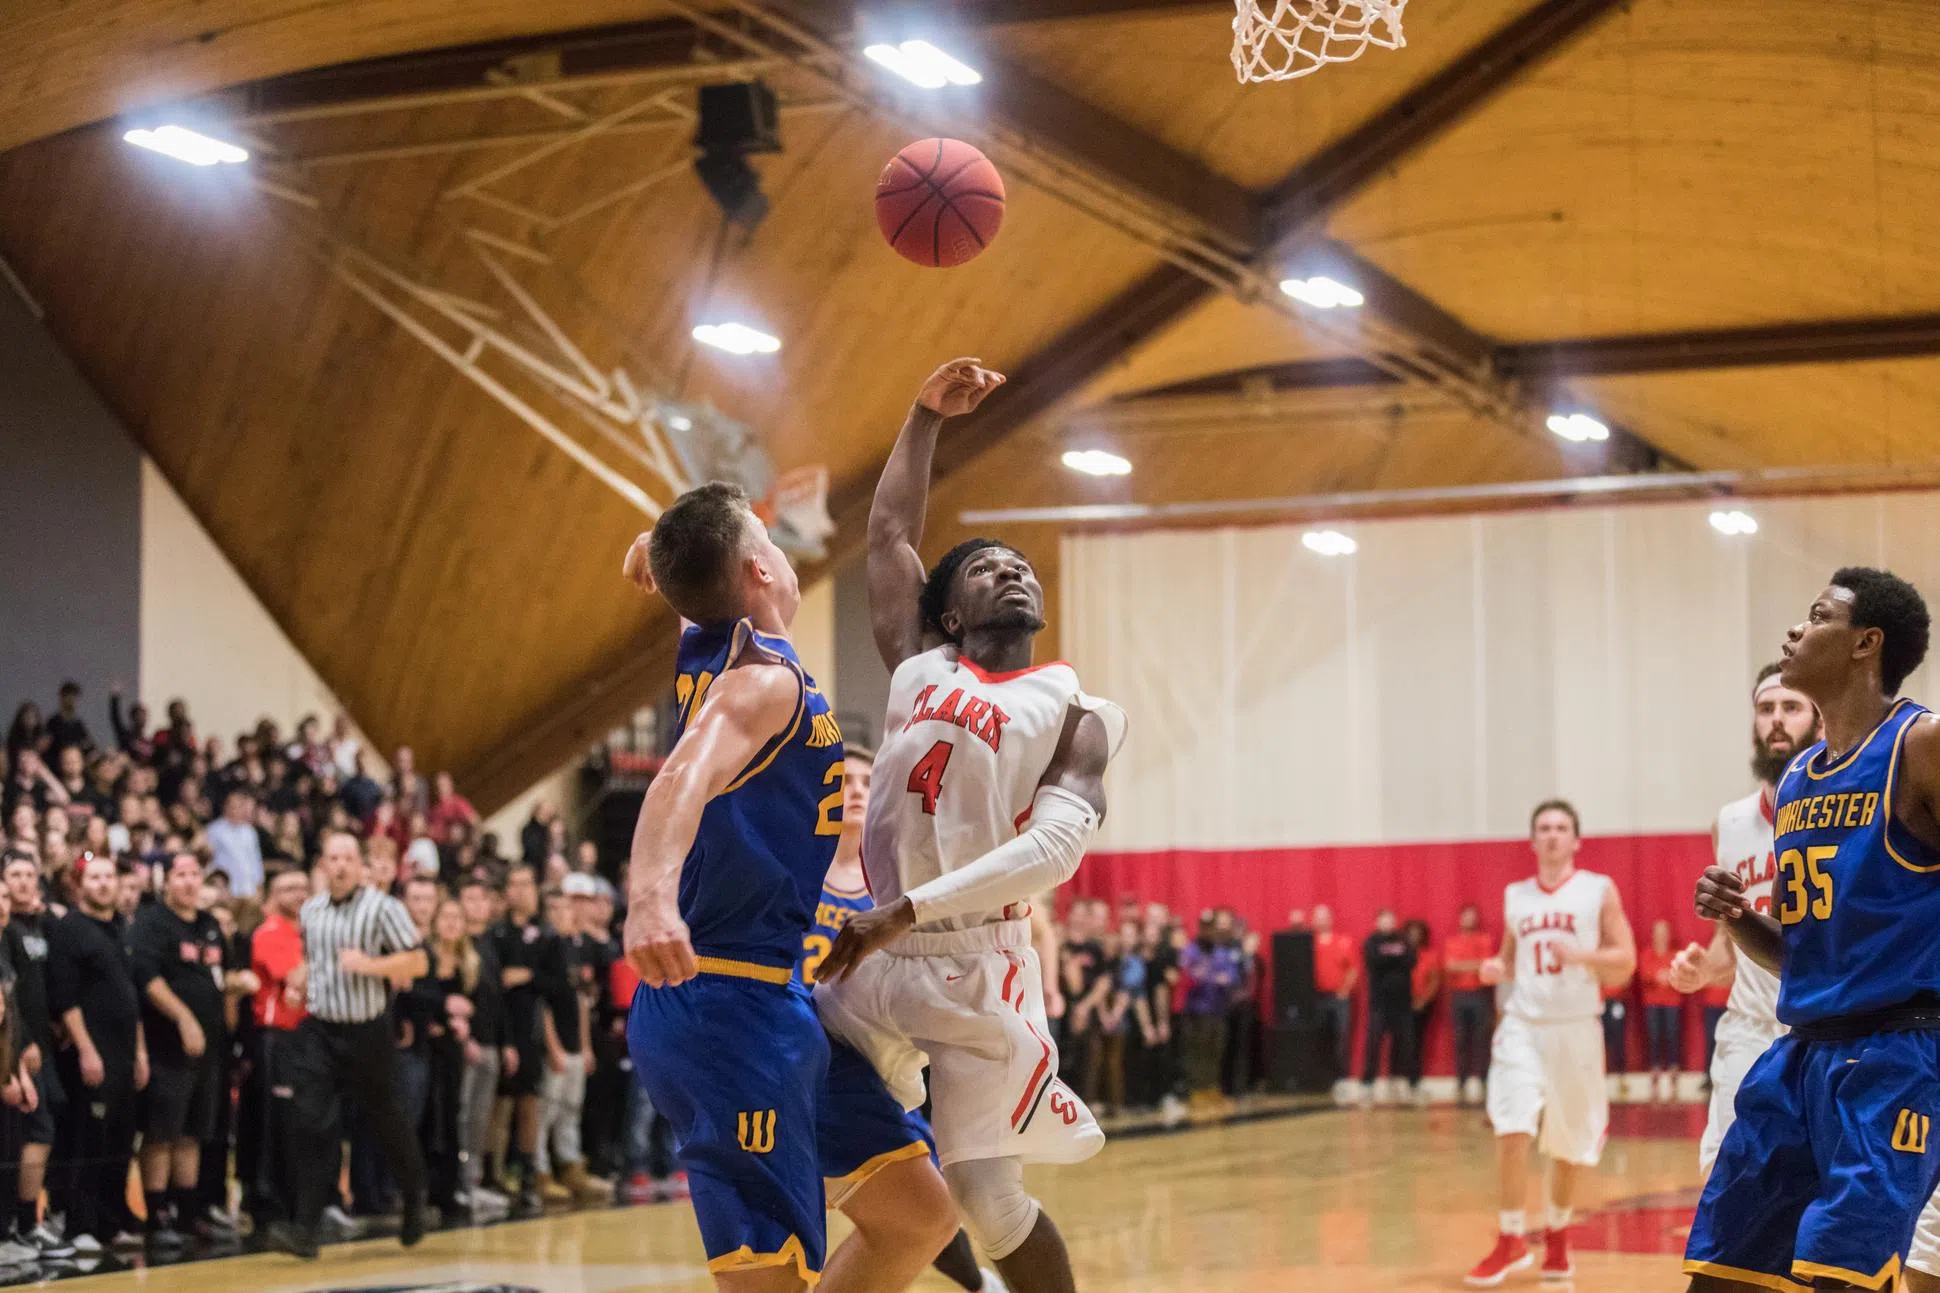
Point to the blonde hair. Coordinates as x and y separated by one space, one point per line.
465 952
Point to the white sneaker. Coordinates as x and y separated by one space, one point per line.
1172 1110
1421 1096
340 1224
992 1281
17 1254
86 1245
45 1243
1472 1091
1383 1092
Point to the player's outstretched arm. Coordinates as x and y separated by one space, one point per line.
1070 804
1721 897
902 502
744 708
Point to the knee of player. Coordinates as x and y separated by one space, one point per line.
905 1206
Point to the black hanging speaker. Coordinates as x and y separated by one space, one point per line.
1294 997
738 118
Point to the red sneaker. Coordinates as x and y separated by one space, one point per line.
1511 1254
1556 1256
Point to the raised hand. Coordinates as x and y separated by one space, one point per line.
958 387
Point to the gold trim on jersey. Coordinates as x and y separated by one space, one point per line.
1763 1279
1886 1277
1886 828
1859 749
746 1258
839 1188
742 969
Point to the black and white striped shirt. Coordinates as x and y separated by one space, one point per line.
372 922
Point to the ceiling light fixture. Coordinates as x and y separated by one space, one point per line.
186 145
1578 428
923 64
1322 293
1097 462
736 339
1329 543
1733 523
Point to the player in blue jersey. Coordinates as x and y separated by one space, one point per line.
728 858
1822 1176
845 892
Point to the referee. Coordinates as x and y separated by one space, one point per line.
357 943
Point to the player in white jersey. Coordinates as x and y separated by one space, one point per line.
988 787
1783 723
1564 935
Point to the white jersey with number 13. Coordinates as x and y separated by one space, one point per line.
1544 921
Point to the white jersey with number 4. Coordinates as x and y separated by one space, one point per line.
1745 849
1545 987
962 753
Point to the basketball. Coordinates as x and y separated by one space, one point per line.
940 202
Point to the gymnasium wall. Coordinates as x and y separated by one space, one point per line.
70 526
1372 731
1436 684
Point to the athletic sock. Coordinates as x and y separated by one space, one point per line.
1559 1219
1511 1222
959 1263
158 1206
184 1205
26 1215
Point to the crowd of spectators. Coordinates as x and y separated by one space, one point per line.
159 885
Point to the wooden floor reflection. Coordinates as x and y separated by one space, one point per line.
1323 1203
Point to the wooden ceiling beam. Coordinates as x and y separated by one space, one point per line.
1539 363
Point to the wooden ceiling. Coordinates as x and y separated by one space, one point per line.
1732 177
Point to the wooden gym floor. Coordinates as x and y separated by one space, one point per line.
1322 1203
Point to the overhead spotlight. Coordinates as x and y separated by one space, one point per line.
1578 428
1322 293
923 64
736 339
186 145
1329 543
680 422
1096 462
1734 523
735 120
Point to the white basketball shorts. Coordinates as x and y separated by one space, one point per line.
970 1004
1546 1080
1741 1040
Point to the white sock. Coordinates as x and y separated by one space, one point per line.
1559 1219
1511 1222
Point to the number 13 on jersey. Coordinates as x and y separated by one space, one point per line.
926 778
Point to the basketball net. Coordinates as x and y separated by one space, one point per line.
796 511
1279 40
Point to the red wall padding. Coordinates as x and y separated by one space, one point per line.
1654 873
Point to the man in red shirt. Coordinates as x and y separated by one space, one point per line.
276 955
1471 1005
1337 967
449 809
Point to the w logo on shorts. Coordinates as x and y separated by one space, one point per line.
1910 1132
755 1131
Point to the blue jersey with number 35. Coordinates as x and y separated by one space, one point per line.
750 883
1858 897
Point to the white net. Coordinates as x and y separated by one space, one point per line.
1278 40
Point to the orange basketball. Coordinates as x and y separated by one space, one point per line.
940 202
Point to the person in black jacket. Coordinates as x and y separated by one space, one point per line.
532 971
177 951
440 1002
104 1065
1390 961
32 1130
478 1090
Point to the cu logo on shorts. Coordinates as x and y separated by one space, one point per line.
1064 1109
755 1131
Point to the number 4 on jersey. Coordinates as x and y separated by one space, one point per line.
926 778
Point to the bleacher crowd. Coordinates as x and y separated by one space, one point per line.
153 991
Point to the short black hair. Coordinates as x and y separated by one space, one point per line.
1556 806
694 547
935 598
1882 600
70 686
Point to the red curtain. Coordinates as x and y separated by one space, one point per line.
1654 873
